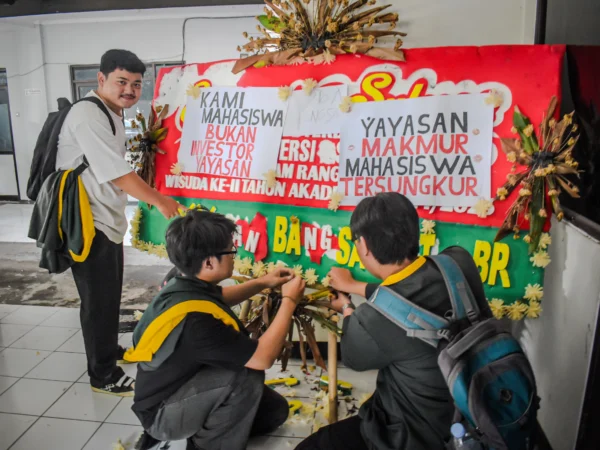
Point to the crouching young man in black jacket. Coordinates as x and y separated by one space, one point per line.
411 408
200 376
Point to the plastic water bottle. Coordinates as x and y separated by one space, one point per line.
463 440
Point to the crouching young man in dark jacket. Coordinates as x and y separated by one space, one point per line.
200 376
411 408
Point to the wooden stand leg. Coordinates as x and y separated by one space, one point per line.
332 374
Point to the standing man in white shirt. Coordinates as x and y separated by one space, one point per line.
108 180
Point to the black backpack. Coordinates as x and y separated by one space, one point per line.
46 147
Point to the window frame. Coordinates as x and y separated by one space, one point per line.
4 87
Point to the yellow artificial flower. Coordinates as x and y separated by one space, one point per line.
498 308
309 85
511 157
528 130
524 192
494 98
177 168
534 310
534 292
326 281
237 263
527 239
482 207
271 267
245 266
193 91
540 259
271 178
542 213
346 104
259 269
298 270
427 227
516 311
335 200
284 92
311 277
545 241
501 193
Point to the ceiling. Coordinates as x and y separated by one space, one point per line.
41 7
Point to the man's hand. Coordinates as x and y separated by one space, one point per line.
339 300
277 278
294 289
341 279
169 207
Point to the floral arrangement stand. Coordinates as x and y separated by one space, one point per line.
332 374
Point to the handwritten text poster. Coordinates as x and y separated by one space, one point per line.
232 132
435 150
315 114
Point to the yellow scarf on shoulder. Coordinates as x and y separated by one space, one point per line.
159 328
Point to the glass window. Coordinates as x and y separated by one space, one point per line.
82 91
89 73
6 142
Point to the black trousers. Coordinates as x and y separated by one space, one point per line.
342 435
99 281
219 409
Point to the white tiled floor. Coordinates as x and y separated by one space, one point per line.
46 402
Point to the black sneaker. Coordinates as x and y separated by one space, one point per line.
145 442
120 356
122 387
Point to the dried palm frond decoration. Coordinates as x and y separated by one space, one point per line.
548 162
293 32
258 313
143 147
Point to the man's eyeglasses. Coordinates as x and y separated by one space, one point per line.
230 252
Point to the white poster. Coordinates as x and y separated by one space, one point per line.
232 132
317 113
435 150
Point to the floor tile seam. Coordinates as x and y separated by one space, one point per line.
41 349
24 432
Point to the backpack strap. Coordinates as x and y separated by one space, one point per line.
100 104
461 296
416 321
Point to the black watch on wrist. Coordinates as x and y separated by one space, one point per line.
348 305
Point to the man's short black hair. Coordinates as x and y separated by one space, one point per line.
389 224
197 236
121 59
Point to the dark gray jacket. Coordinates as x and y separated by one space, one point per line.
411 408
